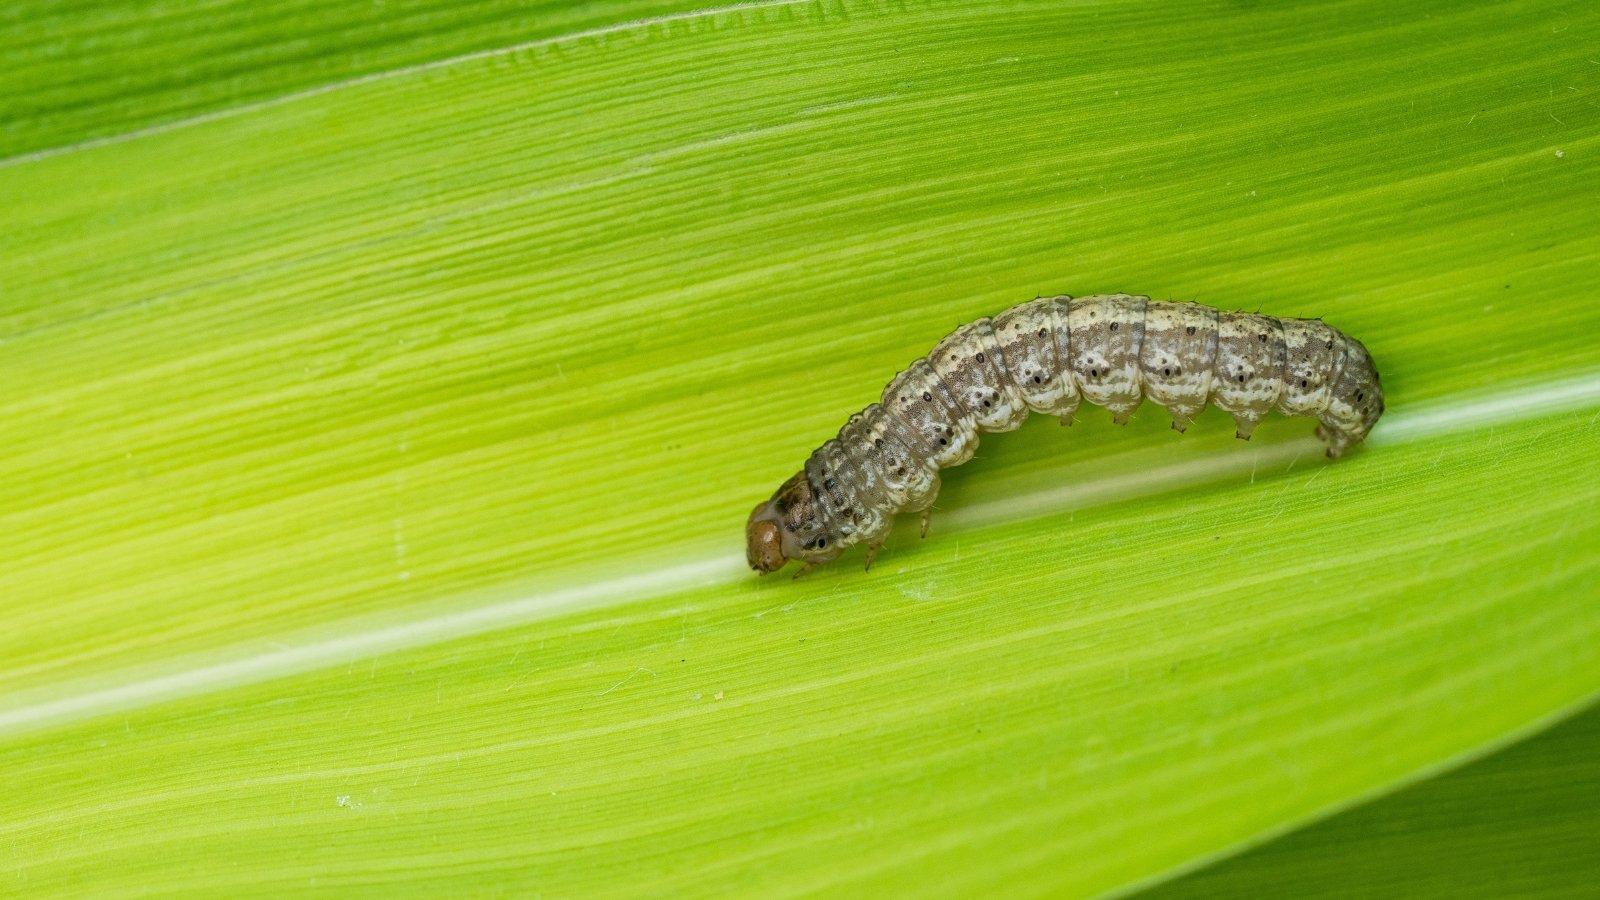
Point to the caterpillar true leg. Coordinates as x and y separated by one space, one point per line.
872 553
1047 356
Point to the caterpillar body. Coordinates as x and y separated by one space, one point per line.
1048 356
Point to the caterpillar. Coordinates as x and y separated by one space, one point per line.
1048 356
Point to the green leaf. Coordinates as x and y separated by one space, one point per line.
1519 823
376 459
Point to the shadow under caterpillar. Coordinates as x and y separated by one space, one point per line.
1047 356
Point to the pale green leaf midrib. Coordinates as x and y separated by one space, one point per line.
337 643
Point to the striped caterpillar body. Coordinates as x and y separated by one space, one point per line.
1048 356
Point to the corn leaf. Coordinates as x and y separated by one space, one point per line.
379 434
1519 823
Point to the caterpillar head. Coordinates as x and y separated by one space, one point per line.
786 527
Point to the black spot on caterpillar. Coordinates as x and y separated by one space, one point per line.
1047 356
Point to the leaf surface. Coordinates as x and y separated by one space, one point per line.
376 460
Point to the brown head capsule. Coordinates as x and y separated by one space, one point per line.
1047 356
763 544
